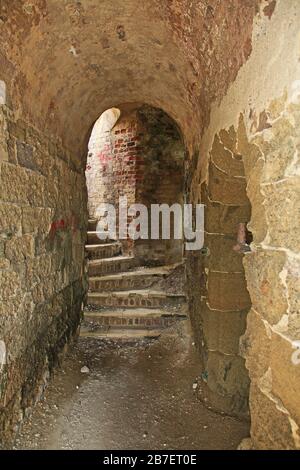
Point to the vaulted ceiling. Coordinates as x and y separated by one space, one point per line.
66 61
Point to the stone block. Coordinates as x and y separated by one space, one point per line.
250 152
222 256
229 138
285 366
25 155
228 377
2 93
12 152
19 249
277 145
10 219
224 219
258 224
35 189
271 428
222 330
226 160
292 270
282 206
267 291
34 159
17 129
36 220
10 284
277 106
227 292
226 189
38 268
3 152
255 345
4 263
13 184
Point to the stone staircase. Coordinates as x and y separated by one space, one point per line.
126 301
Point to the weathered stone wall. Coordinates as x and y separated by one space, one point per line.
221 304
42 235
273 274
262 112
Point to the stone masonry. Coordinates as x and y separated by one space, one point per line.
42 235
226 74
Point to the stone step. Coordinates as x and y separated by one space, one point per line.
120 334
92 224
134 298
93 239
111 265
140 278
105 250
134 317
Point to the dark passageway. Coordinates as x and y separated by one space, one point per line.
195 117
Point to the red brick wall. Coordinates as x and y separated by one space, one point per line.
140 158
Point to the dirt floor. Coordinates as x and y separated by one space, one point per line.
138 396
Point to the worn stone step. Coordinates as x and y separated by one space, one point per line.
134 318
134 298
111 265
140 278
120 334
93 239
105 250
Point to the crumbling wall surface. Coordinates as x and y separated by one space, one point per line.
42 234
262 110
223 300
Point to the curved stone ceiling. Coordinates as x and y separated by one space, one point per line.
71 60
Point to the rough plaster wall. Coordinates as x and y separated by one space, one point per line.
263 107
42 235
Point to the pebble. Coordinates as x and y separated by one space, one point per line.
85 370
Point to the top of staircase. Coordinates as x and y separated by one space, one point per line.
139 271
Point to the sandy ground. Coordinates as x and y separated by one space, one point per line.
137 396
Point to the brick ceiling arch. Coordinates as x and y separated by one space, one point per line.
71 60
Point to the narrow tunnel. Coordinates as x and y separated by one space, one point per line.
168 103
